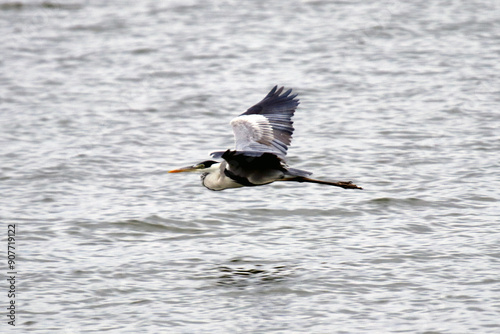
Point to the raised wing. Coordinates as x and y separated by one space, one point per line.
267 126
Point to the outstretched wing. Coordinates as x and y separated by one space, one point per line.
267 126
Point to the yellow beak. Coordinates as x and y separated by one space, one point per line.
184 169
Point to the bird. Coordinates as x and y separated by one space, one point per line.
262 136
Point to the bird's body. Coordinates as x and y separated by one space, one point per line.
262 136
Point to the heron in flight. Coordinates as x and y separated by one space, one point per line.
262 135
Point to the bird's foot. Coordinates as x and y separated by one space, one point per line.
348 185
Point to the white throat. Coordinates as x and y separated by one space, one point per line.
214 178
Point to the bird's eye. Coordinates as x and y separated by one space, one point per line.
207 164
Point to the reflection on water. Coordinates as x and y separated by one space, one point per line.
240 274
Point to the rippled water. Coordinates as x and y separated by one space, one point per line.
100 99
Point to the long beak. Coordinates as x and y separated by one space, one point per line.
184 169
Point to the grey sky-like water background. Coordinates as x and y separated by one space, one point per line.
99 99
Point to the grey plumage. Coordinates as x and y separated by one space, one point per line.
262 136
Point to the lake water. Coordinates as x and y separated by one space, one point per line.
100 99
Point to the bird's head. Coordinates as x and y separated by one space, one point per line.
202 167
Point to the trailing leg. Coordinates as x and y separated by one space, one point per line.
345 185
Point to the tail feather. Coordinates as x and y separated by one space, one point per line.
297 172
341 184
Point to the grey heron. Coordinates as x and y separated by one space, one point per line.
262 135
